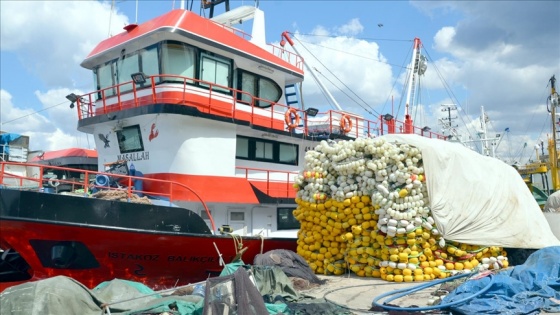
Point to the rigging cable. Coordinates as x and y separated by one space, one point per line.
401 67
454 99
341 83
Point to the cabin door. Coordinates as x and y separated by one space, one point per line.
238 220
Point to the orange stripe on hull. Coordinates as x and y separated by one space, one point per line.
209 188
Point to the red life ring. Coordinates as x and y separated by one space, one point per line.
345 123
291 118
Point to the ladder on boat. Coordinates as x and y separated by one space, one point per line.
292 95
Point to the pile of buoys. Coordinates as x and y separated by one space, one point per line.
363 206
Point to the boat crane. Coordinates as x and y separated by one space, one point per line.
552 150
542 166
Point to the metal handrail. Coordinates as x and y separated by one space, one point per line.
208 94
123 179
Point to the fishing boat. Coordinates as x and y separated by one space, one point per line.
543 176
200 132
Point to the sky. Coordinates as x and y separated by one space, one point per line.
498 55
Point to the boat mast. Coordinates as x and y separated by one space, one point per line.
552 151
418 68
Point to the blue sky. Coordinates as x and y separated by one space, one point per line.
496 54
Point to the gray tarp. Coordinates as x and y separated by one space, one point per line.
57 295
62 295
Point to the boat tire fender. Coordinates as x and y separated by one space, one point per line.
345 123
292 118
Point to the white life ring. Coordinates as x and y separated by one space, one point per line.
53 182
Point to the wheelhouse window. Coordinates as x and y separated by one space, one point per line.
286 219
256 149
149 63
215 70
130 139
104 78
178 59
125 67
255 85
120 70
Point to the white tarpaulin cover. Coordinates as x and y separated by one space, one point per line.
553 203
476 199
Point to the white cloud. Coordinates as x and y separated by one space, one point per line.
353 27
16 119
502 54
342 63
444 38
52 37
51 128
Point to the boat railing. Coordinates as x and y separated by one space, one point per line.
273 183
15 153
216 99
389 125
238 32
88 184
532 168
288 56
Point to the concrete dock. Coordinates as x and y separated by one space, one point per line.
357 294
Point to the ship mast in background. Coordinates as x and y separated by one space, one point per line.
552 150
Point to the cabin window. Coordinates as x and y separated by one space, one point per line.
264 88
242 148
126 66
286 219
180 60
130 139
215 70
105 79
149 63
269 91
255 149
237 216
248 85
264 150
121 69
287 153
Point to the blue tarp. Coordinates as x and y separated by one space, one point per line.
5 140
525 289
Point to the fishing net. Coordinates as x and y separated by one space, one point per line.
291 263
233 294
